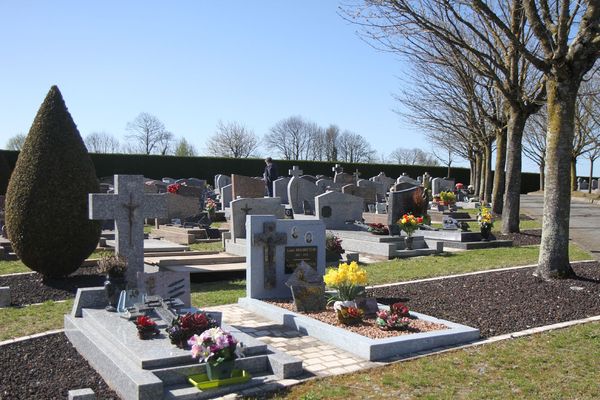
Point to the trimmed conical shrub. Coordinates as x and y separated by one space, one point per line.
47 196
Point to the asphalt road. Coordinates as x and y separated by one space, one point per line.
584 228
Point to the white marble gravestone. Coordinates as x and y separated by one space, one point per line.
439 185
226 196
275 247
301 191
280 189
128 207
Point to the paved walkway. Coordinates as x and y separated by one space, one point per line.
584 225
318 358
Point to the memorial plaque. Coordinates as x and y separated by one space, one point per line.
297 254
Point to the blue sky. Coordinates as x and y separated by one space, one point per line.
193 63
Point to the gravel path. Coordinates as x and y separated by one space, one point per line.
30 288
503 302
46 368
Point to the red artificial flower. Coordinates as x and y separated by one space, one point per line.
144 321
173 188
353 312
399 309
419 220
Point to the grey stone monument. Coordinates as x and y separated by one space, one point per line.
128 207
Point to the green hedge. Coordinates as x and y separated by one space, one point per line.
158 167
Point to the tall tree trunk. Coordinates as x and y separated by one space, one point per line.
542 176
498 190
573 174
488 172
472 172
591 176
482 176
477 173
512 186
554 249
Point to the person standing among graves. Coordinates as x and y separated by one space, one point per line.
270 174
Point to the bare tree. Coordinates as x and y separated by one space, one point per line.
291 137
332 134
185 149
232 139
484 42
148 135
414 156
534 141
354 148
102 142
16 142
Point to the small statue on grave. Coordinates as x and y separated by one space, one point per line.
308 289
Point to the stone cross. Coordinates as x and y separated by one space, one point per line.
338 168
356 174
295 171
128 207
269 239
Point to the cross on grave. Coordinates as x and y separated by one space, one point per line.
338 169
246 209
128 207
295 171
356 174
269 239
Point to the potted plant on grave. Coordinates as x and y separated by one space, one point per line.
486 222
218 349
350 315
378 229
409 224
349 280
211 208
114 267
397 318
146 327
185 326
447 198
333 248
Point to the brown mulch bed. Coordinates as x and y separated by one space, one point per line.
524 238
30 288
502 302
367 328
47 368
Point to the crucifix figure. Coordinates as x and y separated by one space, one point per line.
246 209
295 171
269 239
128 207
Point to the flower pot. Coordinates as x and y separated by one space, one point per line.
113 287
220 371
485 233
147 333
331 256
408 241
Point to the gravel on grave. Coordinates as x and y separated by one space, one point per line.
367 328
525 238
30 288
47 368
503 301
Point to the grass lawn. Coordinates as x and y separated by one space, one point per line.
11 267
23 321
211 246
406 269
217 293
562 364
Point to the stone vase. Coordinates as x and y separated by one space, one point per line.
408 241
113 285
220 371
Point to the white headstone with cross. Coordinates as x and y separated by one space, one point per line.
295 172
128 207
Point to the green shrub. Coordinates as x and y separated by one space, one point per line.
47 196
